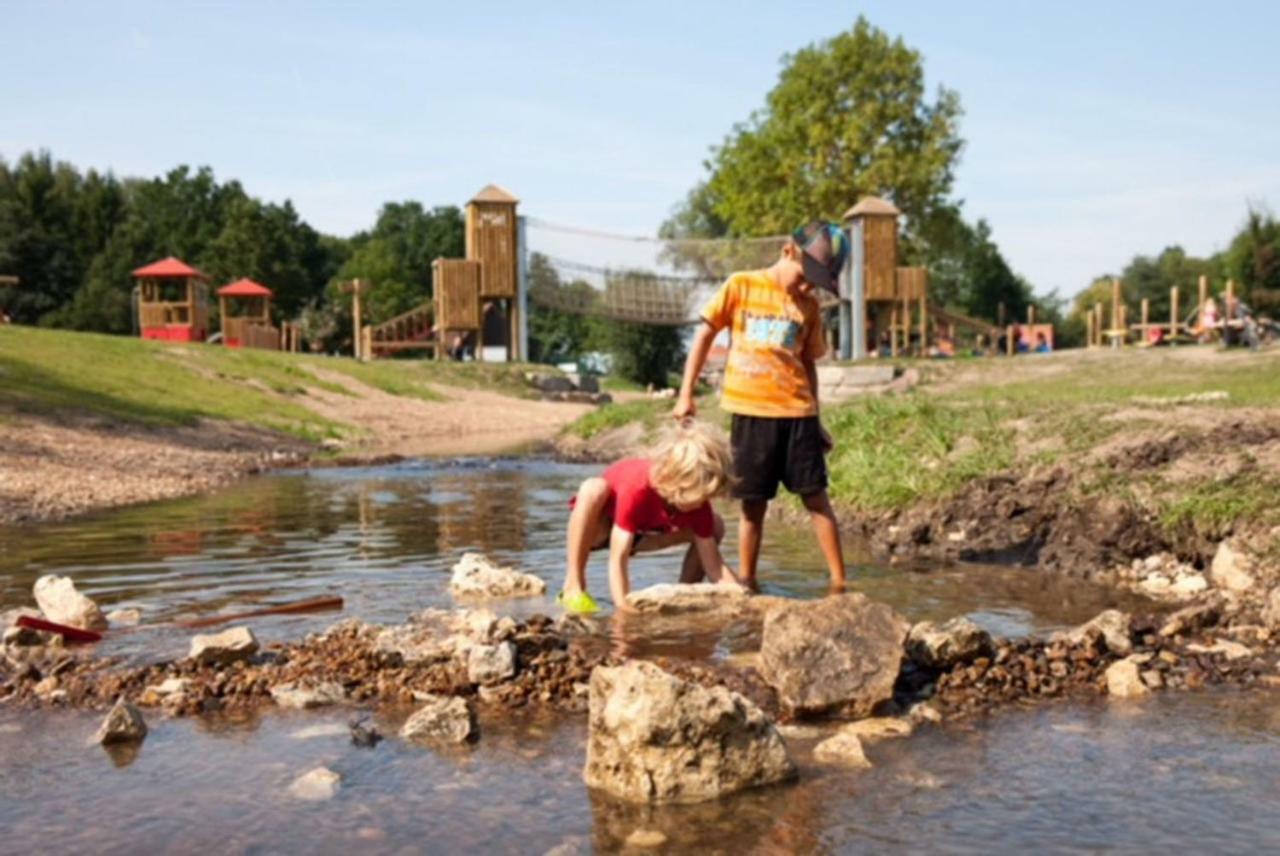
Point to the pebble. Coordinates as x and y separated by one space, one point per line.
645 839
316 785
311 732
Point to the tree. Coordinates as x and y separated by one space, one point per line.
556 336
848 117
1253 260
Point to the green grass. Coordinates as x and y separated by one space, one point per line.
610 416
1211 507
131 380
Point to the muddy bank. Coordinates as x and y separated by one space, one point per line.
52 470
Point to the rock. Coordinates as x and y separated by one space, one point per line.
60 602
124 724
236 643
1231 569
655 738
306 698
941 647
476 576
1124 679
1189 584
1191 618
922 713
844 749
797 731
645 839
25 637
673 598
125 617
317 785
46 687
170 686
364 736
879 728
841 653
491 664
1152 679
1115 627
441 719
1271 610
1225 647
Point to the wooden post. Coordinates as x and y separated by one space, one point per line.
356 288
1117 322
924 322
1009 348
1000 313
1031 314
366 342
893 332
222 318
1146 314
1204 292
1174 321
1088 327
1231 292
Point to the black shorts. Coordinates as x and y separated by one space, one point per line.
768 451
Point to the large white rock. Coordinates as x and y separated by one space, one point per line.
491 664
441 719
1231 569
840 654
476 576
1124 679
60 602
653 737
235 643
941 646
1114 626
124 724
674 598
316 785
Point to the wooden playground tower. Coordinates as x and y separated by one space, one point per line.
465 291
1148 332
250 326
173 301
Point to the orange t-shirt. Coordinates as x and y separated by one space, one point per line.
771 334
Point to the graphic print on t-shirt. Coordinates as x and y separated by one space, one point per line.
771 331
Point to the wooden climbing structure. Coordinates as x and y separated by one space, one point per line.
244 308
173 301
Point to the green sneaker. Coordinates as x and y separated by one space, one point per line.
579 602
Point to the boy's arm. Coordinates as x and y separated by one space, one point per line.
620 543
692 368
712 562
811 372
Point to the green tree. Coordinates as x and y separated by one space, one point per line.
848 117
1253 260
556 336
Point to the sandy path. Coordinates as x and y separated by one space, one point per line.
468 422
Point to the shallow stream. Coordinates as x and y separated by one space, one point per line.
1190 770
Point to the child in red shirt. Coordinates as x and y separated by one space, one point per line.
646 504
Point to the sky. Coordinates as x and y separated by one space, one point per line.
1094 130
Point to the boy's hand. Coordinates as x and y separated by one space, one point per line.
827 443
684 409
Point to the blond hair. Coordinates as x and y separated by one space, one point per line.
691 464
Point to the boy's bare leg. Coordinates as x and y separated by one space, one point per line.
750 532
584 531
827 529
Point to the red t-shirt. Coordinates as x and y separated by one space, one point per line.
637 508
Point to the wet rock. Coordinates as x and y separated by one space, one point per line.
46 687
675 598
879 728
171 686
656 738
311 732
236 643
943 646
1115 627
922 713
124 724
24 637
364 736
1191 618
839 654
124 617
1152 679
317 785
60 602
296 697
645 839
491 664
1189 584
1232 569
440 720
476 576
844 749
1124 679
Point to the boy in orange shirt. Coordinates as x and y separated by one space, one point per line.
771 387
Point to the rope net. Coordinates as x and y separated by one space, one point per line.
642 280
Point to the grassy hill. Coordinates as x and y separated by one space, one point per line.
59 373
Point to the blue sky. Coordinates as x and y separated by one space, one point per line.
1094 130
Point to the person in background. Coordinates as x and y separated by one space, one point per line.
1042 344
